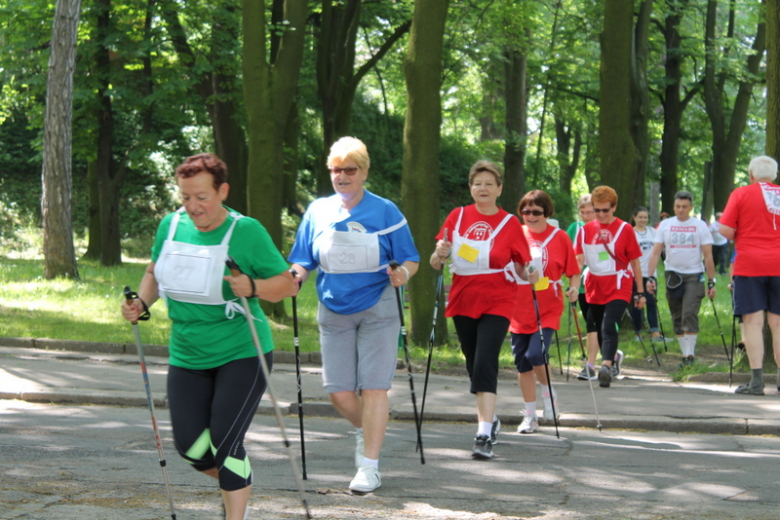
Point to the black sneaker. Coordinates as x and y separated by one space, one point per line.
494 431
750 389
483 448
587 372
605 376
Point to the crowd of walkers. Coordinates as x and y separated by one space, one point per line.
512 272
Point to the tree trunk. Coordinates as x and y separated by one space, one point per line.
422 138
220 96
270 87
773 78
568 162
640 102
337 79
707 191
93 248
516 127
58 250
727 129
620 159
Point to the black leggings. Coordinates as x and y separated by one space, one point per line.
607 317
480 341
211 411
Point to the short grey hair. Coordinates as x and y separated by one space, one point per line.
763 168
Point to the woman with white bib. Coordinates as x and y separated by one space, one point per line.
645 237
486 247
553 257
351 237
608 247
215 380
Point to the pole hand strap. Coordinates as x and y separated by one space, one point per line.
132 295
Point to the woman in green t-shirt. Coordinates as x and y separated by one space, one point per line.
215 380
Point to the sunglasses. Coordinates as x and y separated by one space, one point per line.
350 170
598 210
534 212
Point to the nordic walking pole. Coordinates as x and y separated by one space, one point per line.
544 357
568 355
722 338
433 336
394 265
235 270
298 376
130 296
588 366
651 345
558 346
733 344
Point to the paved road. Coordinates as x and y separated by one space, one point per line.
60 462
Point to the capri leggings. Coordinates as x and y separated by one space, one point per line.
607 317
211 411
480 341
589 325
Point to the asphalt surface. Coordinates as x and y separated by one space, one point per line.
76 442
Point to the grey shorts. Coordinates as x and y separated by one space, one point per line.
685 310
359 351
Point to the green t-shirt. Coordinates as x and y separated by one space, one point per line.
202 336
572 231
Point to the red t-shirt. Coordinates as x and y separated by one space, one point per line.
558 260
757 237
600 290
480 294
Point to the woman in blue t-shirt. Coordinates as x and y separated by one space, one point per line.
351 237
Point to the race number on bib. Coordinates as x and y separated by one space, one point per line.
186 273
348 258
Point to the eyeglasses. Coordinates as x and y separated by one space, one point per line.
350 170
599 210
534 212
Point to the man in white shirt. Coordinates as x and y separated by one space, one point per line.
686 240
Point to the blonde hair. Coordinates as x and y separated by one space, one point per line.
486 166
584 201
349 148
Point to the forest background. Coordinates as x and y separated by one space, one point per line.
646 96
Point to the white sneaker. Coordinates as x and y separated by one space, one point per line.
359 448
530 423
617 364
548 405
366 480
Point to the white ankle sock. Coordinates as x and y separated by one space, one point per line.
374 463
485 428
691 343
530 408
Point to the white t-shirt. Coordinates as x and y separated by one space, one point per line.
683 241
645 240
717 238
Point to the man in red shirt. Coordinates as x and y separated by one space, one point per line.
752 220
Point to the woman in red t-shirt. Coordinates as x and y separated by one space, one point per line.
609 248
487 248
553 257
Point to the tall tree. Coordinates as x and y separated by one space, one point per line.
674 102
727 128
773 78
640 101
337 79
620 158
422 138
215 83
270 87
516 123
59 253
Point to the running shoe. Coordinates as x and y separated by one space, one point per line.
583 376
530 423
658 339
366 480
605 376
548 405
494 431
617 364
359 448
483 449
750 389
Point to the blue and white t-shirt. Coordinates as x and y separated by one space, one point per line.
352 292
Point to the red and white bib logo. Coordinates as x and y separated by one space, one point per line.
479 231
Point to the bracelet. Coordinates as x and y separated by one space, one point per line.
405 270
254 289
144 316
710 285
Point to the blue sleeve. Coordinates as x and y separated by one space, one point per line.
302 252
401 242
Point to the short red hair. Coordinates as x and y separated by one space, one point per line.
604 194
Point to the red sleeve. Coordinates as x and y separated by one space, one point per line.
521 253
449 224
731 213
571 267
630 245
